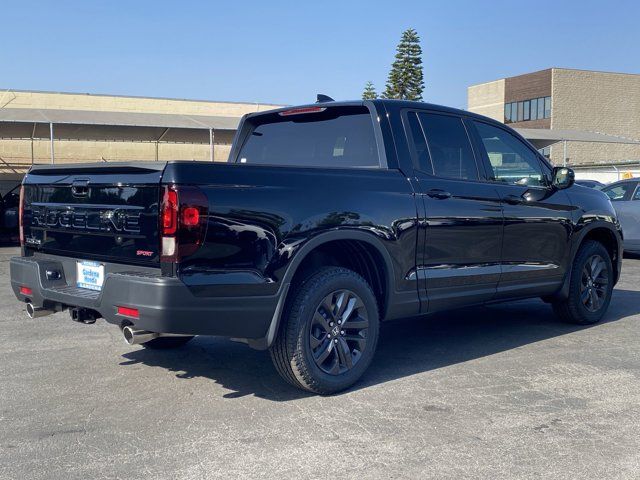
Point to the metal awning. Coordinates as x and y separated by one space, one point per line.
27 123
541 137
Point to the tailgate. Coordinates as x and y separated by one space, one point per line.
103 212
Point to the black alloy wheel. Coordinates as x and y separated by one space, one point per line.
329 331
590 286
338 333
594 283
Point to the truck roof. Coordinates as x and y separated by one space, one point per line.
379 101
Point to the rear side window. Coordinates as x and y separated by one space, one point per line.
329 137
449 147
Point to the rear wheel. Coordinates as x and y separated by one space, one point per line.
165 343
590 286
330 333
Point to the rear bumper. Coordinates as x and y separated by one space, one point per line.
165 304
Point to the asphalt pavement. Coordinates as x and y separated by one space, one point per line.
504 391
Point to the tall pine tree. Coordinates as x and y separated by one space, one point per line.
405 80
369 92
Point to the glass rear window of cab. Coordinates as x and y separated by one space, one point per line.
329 137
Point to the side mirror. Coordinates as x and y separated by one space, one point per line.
563 177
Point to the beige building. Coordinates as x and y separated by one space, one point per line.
142 129
569 100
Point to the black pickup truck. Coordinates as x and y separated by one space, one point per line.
326 220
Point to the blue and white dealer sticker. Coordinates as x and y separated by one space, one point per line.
89 275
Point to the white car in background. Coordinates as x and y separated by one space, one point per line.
625 197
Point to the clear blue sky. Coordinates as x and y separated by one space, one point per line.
285 52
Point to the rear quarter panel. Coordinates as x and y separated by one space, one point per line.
260 217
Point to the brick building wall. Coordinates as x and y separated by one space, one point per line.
19 151
598 102
581 100
487 99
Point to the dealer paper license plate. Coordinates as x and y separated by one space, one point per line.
90 275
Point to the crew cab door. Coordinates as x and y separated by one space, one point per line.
459 262
537 218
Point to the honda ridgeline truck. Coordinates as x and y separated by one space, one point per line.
326 220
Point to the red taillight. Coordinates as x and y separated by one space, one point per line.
170 212
183 221
128 312
300 111
26 291
190 216
20 214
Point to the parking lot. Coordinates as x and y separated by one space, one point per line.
496 392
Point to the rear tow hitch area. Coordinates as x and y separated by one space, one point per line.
84 315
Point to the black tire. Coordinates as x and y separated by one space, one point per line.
165 343
588 297
302 332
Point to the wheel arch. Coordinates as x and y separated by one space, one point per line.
359 251
604 233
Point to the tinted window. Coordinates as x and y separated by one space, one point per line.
620 191
449 146
511 160
636 196
547 107
541 108
527 108
335 137
520 111
419 143
534 109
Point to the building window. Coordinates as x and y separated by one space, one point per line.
507 112
547 107
546 151
533 109
520 111
540 108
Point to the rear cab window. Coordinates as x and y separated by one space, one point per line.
334 136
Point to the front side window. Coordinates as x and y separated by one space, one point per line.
511 160
449 146
328 137
619 192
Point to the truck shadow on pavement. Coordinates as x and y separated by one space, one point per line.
406 347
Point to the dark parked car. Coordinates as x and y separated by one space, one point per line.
625 197
9 203
591 184
327 219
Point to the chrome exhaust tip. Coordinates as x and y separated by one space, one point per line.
136 337
37 312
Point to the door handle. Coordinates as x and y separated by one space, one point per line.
514 199
439 194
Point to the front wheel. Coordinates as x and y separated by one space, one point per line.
330 332
590 286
